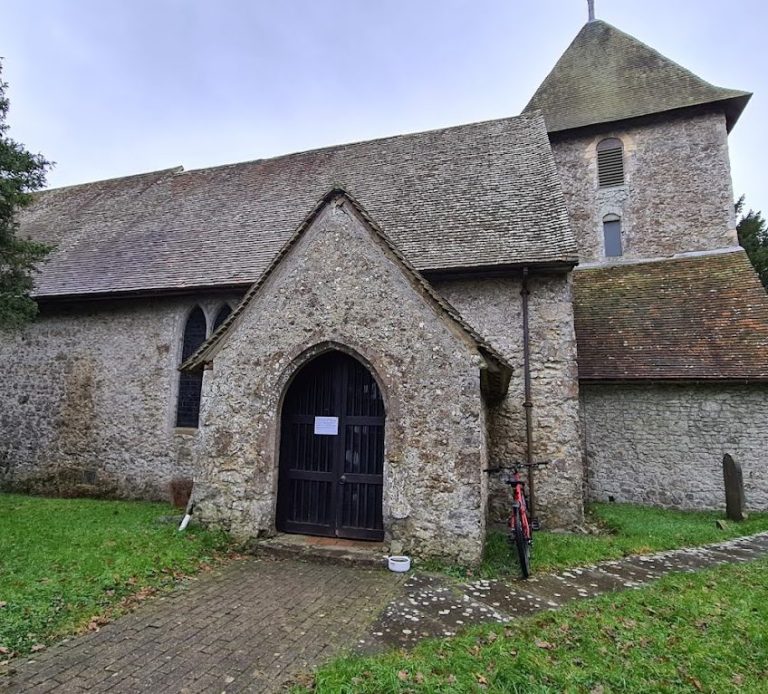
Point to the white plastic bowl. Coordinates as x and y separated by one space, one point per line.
399 564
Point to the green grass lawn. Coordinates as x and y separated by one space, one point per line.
65 561
627 529
701 632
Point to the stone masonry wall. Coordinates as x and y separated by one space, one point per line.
677 195
664 444
340 287
494 308
88 396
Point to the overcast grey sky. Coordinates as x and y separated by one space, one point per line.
108 88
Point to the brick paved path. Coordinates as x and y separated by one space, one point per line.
246 627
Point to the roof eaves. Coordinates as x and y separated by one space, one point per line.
685 379
732 108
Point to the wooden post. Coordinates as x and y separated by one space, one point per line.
734 489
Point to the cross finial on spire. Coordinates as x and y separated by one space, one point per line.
591 5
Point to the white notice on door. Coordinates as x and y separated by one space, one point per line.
326 426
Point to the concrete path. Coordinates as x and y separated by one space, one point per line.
255 623
436 606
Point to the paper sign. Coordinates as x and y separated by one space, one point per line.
326 426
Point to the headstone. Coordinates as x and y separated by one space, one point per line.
734 489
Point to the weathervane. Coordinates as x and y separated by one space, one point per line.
591 5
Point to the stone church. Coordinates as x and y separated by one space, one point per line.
339 342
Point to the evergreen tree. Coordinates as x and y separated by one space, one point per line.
753 236
21 173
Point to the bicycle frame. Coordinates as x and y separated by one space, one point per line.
518 502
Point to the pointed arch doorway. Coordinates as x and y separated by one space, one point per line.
332 451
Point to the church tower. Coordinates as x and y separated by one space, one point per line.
671 320
641 147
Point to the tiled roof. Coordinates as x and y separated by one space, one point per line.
695 317
606 75
473 195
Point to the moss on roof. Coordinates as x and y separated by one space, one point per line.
691 318
606 75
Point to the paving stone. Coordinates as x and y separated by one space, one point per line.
651 567
739 553
632 574
400 625
595 579
513 602
758 541
558 589
433 604
698 559
721 555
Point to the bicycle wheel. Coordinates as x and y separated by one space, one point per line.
522 545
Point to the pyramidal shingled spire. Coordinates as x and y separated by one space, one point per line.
606 75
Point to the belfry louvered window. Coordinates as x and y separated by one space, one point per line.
190 384
610 163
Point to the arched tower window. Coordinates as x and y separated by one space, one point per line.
190 384
221 316
612 236
610 163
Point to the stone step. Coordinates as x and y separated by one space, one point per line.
371 555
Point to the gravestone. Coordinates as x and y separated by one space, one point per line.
734 489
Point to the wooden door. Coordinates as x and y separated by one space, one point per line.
332 451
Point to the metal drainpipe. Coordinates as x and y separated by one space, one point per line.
527 402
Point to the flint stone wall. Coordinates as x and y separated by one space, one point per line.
88 399
677 196
340 287
663 445
494 308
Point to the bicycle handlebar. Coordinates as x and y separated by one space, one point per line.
515 466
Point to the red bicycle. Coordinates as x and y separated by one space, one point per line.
520 526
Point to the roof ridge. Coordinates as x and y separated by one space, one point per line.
169 171
533 114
